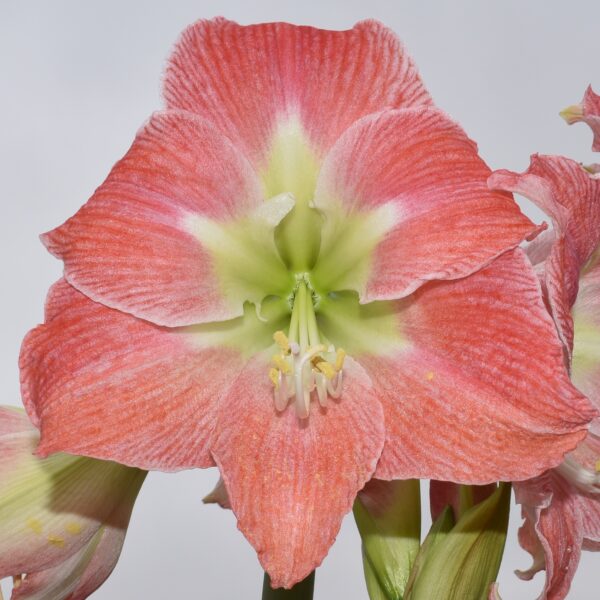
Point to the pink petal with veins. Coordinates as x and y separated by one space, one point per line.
421 165
291 481
107 385
130 247
249 79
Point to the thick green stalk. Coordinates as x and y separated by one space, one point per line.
303 590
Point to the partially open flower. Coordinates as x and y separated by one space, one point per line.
562 507
63 518
298 273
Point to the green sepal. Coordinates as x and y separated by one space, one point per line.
388 516
436 536
374 587
464 561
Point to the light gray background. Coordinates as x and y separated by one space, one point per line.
76 81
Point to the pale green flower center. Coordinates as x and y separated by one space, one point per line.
302 267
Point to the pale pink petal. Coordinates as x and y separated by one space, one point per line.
571 197
132 246
24 545
247 80
51 509
483 365
291 481
105 384
420 167
84 572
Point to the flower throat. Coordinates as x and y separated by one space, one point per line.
304 363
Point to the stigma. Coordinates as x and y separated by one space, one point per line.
299 375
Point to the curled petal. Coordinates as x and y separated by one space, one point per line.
102 383
249 80
291 481
406 201
571 197
137 246
587 111
553 532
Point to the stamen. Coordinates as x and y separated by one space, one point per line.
339 359
274 377
304 364
282 341
326 368
282 364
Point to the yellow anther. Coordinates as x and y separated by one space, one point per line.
274 377
339 359
597 466
282 341
429 375
35 525
74 528
326 368
281 363
56 541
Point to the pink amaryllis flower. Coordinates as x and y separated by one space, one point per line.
562 507
63 518
254 286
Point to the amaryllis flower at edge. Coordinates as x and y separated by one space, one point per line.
63 518
562 507
254 286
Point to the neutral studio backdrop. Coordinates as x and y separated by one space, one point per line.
76 81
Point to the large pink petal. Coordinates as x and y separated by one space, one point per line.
290 482
131 247
481 364
249 79
102 383
446 223
571 197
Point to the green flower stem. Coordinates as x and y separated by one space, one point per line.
303 590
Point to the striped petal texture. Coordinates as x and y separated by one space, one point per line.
298 273
561 508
